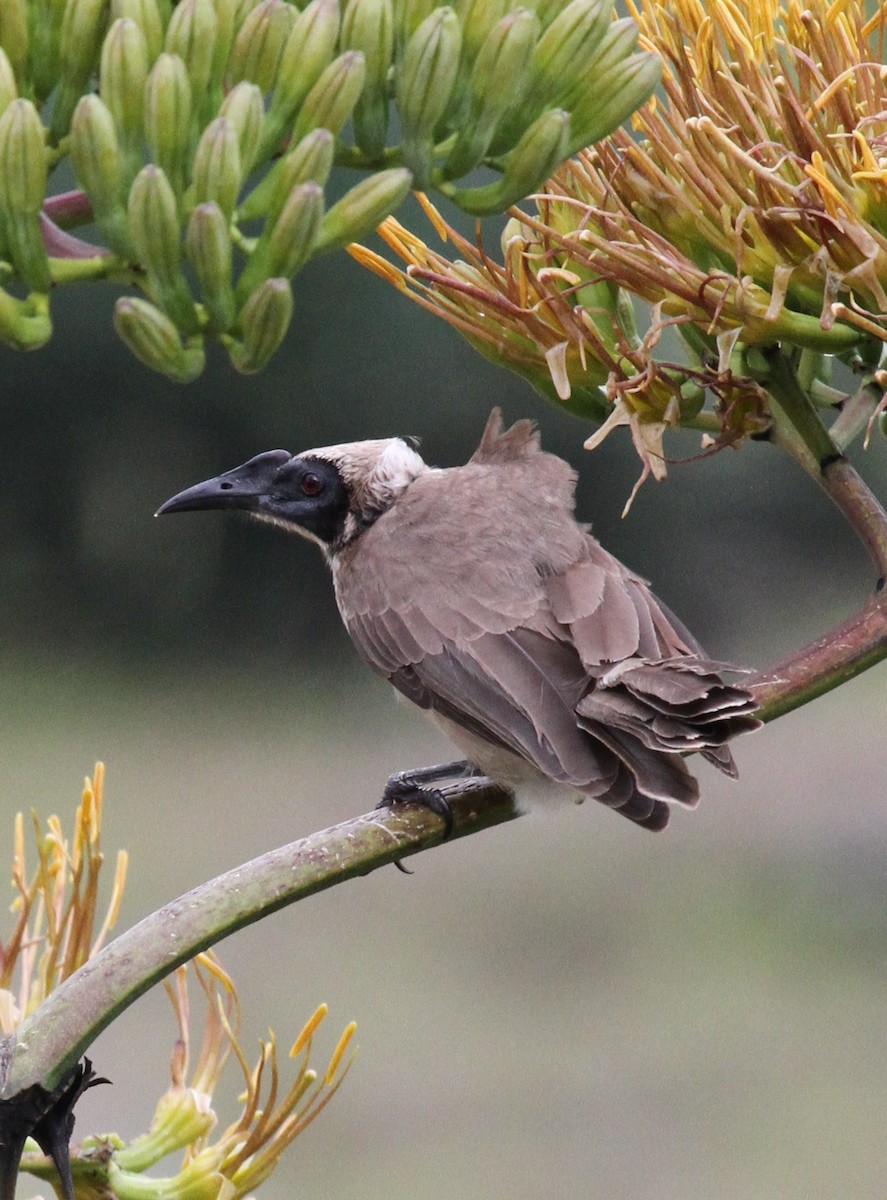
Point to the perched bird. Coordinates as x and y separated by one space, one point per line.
477 594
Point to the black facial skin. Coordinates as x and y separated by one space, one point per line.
306 493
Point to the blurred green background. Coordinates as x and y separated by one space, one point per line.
565 1006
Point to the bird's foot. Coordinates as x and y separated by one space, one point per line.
400 790
409 787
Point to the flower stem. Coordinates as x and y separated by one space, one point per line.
100 266
798 430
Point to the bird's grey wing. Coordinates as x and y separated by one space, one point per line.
519 690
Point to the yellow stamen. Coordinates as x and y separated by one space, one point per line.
439 224
377 264
308 1029
339 1051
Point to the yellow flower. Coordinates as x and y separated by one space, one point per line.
759 172
55 907
242 1156
54 932
747 206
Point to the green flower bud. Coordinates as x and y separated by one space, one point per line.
95 153
153 218
478 19
264 320
368 26
155 341
570 40
307 53
311 159
295 230
330 102
22 159
497 82
208 246
619 40
425 81
124 69
22 190
191 34
98 167
80 44
14 35
286 244
217 171
543 147
146 15
617 44
547 10
259 44
8 89
617 93
40 75
559 63
230 15
167 117
363 207
243 108
411 14
154 222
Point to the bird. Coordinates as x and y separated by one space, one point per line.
478 595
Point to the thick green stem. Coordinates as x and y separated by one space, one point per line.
48 1043
861 641
799 431
797 427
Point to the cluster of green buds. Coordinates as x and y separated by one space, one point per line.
202 136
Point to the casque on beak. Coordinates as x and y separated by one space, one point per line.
239 488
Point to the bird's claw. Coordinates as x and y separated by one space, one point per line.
401 789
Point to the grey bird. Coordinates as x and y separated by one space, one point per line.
476 593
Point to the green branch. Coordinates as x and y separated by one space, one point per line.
49 1042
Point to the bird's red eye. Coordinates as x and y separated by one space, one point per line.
312 485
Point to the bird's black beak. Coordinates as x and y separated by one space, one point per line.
239 488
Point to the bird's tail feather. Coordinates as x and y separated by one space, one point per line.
679 705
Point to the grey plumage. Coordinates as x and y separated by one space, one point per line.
478 595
